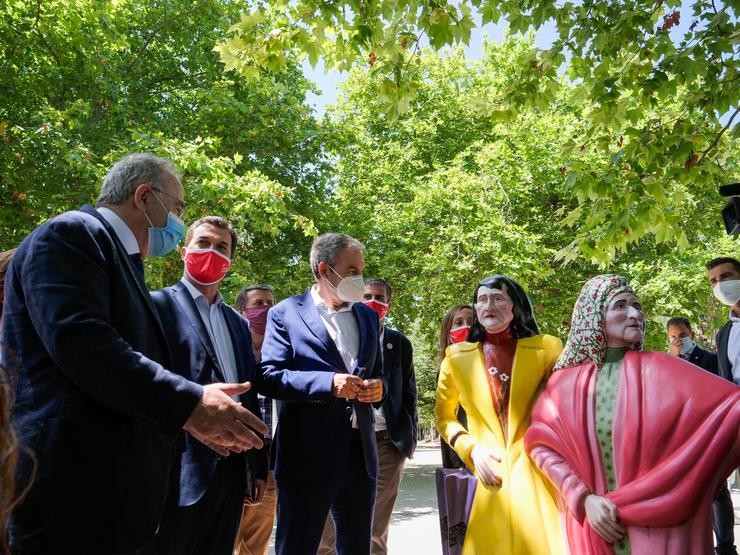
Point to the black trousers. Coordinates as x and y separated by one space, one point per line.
723 522
209 526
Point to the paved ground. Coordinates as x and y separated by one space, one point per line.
415 525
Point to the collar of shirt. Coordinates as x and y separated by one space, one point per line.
321 304
198 295
733 317
123 231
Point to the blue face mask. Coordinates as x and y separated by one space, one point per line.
163 240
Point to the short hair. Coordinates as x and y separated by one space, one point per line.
678 321
241 298
127 174
723 260
215 221
382 283
327 247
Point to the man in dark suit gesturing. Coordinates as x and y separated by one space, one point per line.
321 356
95 401
210 342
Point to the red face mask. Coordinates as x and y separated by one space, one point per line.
206 266
377 306
459 335
257 316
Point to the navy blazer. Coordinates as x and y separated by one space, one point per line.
194 356
704 359
94 400
299 360
399 407
723 361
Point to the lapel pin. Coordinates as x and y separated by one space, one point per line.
389 345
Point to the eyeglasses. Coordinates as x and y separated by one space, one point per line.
180 205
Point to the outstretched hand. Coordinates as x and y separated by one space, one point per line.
223 424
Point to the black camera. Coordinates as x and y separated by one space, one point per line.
731 211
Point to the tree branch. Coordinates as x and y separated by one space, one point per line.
719 136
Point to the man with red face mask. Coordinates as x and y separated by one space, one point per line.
396 421
210 342
254 302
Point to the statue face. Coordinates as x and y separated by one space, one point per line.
625 321
494 308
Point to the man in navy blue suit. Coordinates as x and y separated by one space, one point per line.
321 357
96 402
210 342
396 421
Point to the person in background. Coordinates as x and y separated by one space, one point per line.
254 302
5 258
496 375
321 357
9 494
454 329
210 343
681 344
396 421
95 401
637 443
724 277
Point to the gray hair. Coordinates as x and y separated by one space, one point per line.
127 174
327 248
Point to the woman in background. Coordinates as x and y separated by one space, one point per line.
455 327
495 376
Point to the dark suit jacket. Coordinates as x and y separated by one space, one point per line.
399 407
723 337
704 359
194 356
299 360
94 400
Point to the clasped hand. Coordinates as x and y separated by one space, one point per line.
602 516
223 424
349 386
485 460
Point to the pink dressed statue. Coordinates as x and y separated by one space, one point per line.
637 443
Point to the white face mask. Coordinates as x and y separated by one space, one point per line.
727 292
350 288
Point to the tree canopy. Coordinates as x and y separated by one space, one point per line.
493 166
659 103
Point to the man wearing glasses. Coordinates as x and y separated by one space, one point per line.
96 403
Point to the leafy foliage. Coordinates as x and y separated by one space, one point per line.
659 106
88 82
444 198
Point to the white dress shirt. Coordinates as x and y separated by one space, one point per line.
123 231
213 318
342 327
733 347
343 330
379 416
